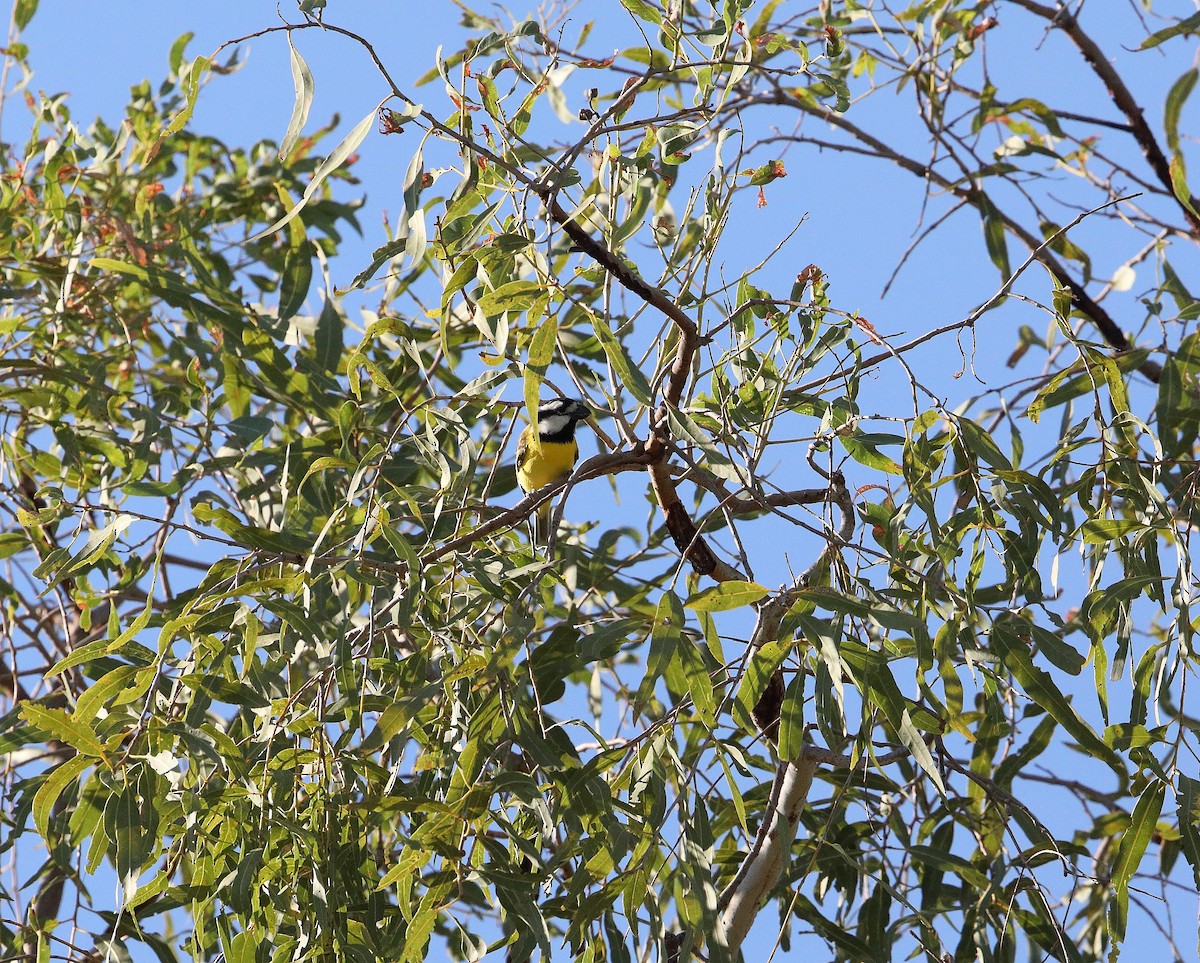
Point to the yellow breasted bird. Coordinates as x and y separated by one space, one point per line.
550 454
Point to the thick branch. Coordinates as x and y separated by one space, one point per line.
687 538
760 870
765 862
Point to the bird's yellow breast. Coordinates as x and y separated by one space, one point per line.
541 462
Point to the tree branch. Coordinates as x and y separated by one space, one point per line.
740 901
604 464
977 198
1122 97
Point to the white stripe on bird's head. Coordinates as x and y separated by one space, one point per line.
549 425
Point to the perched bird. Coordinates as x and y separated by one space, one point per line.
549 454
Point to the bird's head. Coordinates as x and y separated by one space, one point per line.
558 418
560 415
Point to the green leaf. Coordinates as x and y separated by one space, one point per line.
994 236
771 171
121 685
1178 95
791 719
920 751
700 683
852 948
295 280
1179 183
23 12
628 373
867 454
726 596
643 194
99 541
541 353
1062 244
178 48
1083 377
195 72
1039 110
1097 531
1188 25
951 863
1177 413
1188 800
643 11
13 542
329 340
669 619
65 728
1054 648
167 285
1129 855
515 296
226 690
49 791
131 822
875 677
688 431
243 946
489 96
763 662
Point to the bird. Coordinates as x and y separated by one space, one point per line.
548 454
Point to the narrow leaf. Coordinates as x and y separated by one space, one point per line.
664 644
1188 799
994 237
65 728
1179 93
763 663
1179 183
105 692
302 80
700 685
295 280
791 719
1137 837
23 12
541 352
1187 26
920 751
643 11
330 336
628 373
1129 856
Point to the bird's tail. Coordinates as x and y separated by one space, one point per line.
539 526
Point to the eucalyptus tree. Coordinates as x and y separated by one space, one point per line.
840 644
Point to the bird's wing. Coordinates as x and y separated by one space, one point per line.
522 451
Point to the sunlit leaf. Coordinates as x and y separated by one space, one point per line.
302 80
